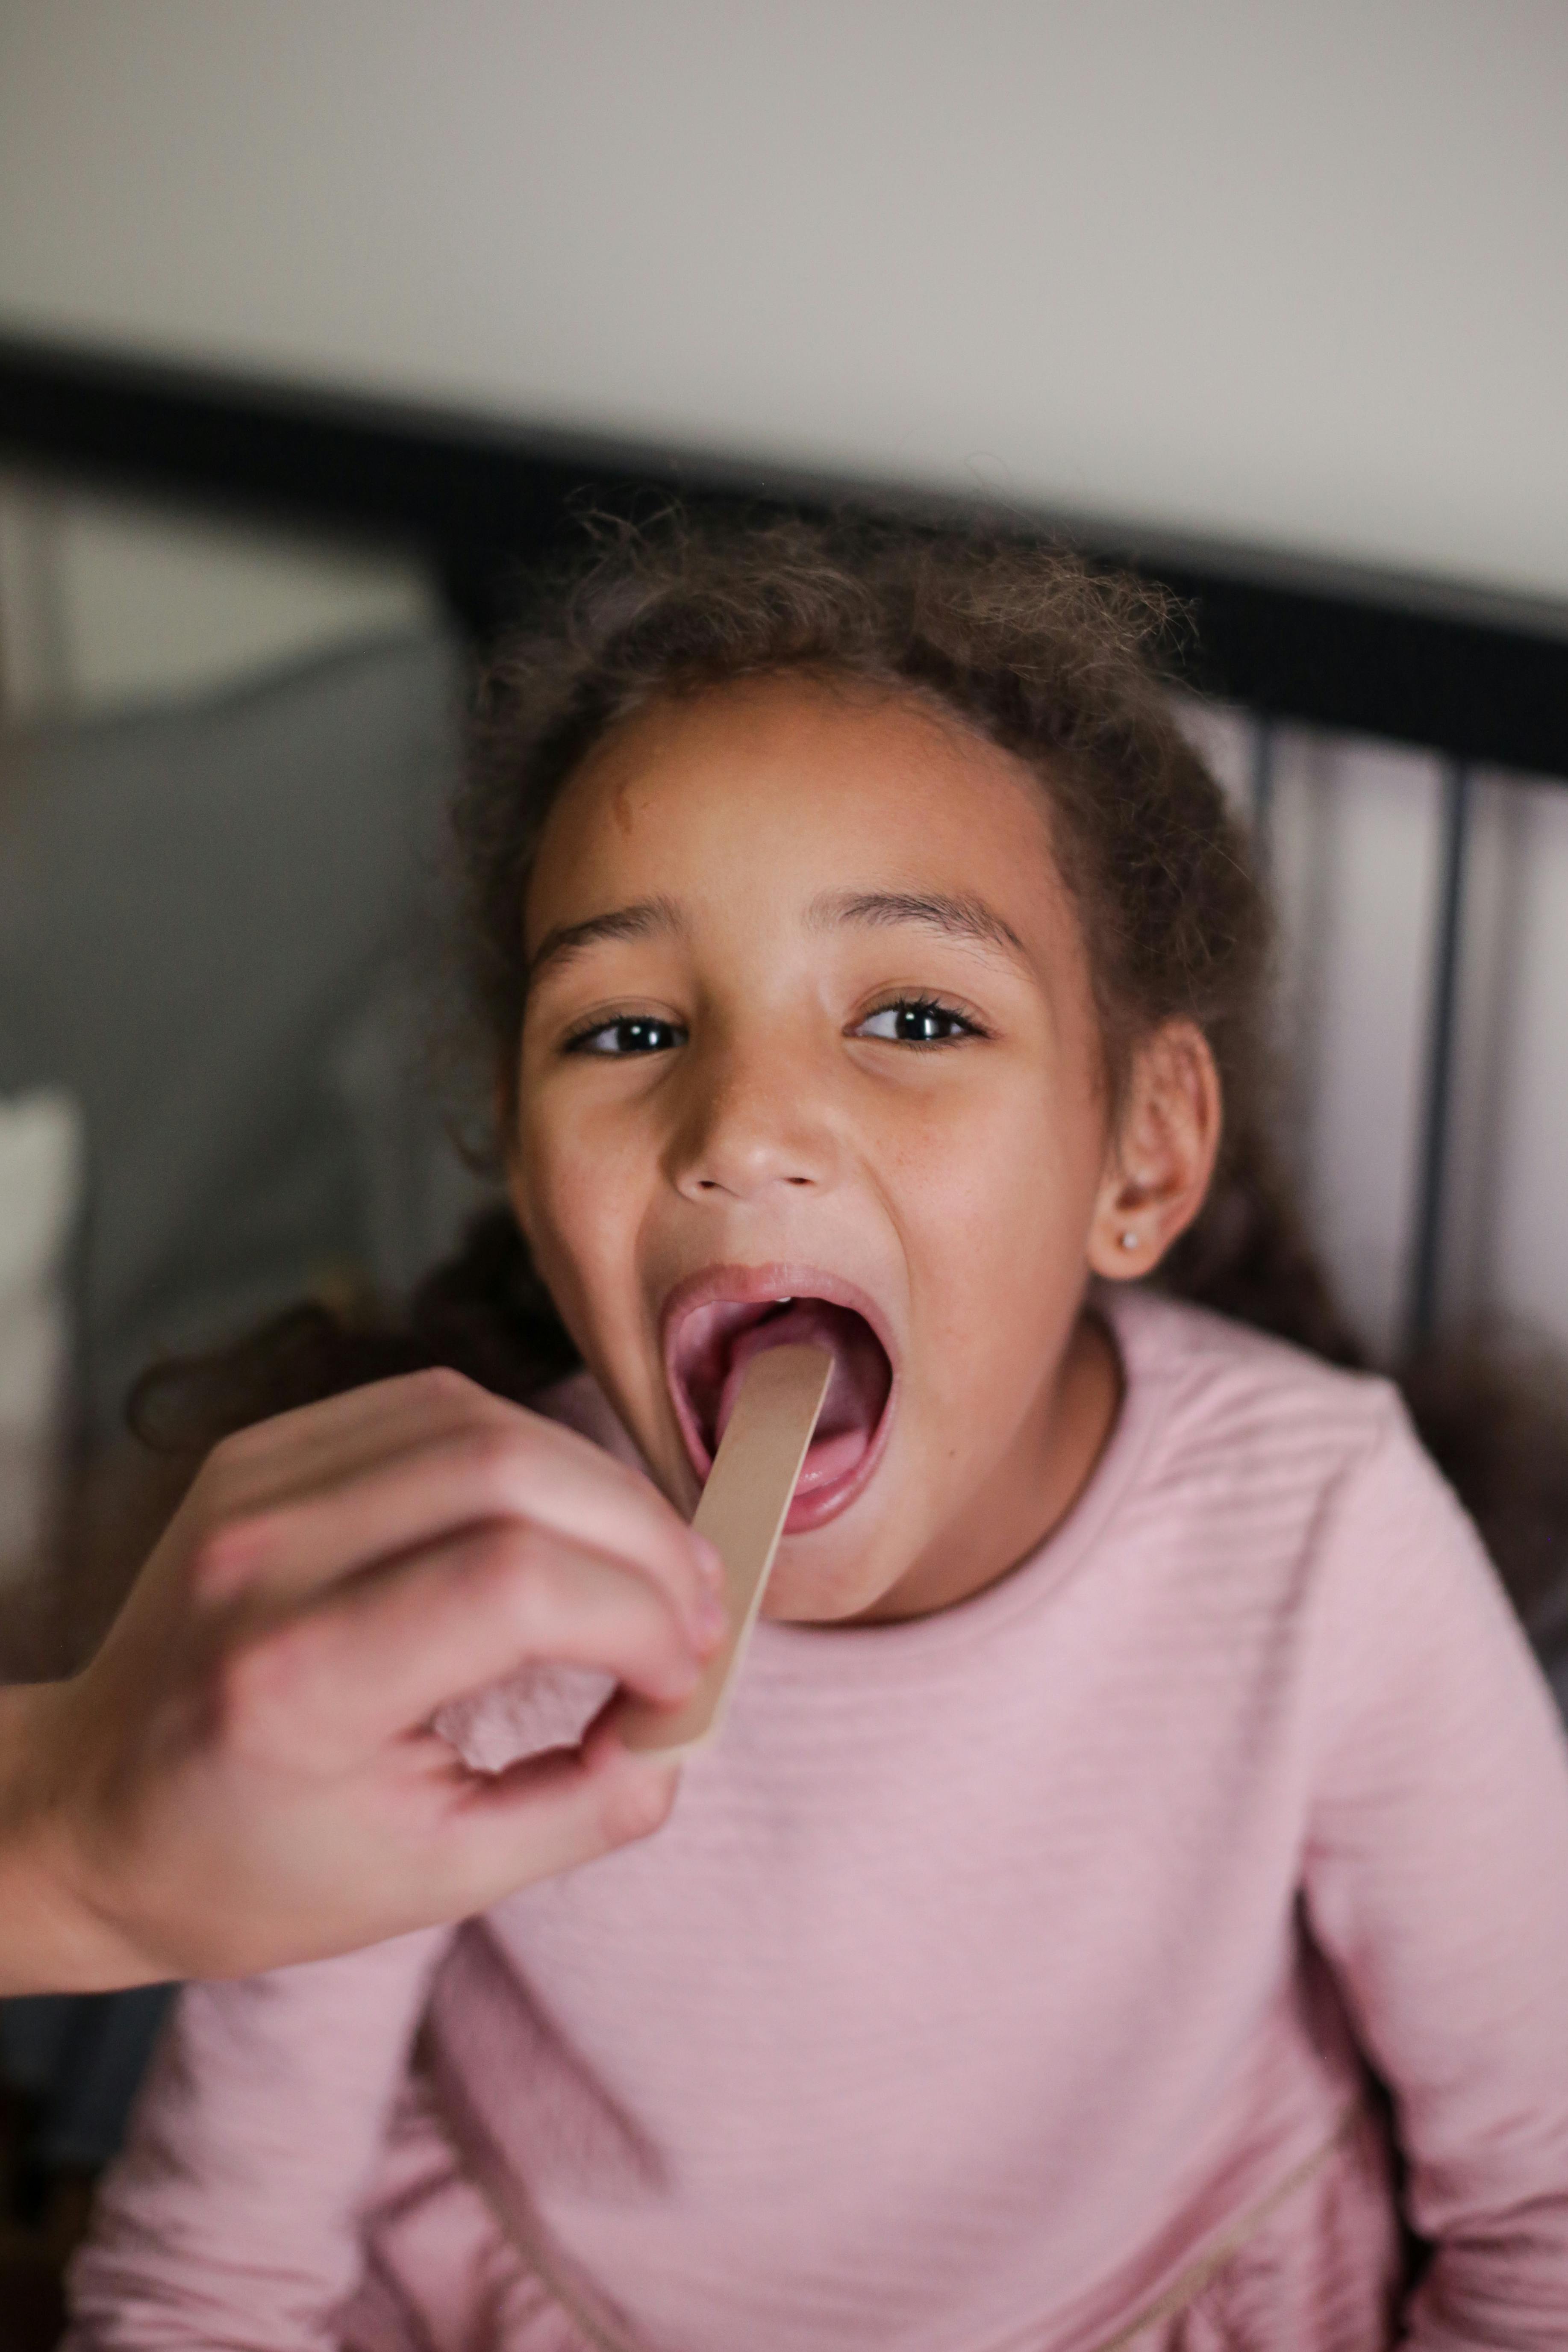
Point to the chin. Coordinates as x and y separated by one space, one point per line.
809 1587
810 1600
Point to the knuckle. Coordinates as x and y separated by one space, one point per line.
492 1555
260 1694
488 1452
441 1383
510 1580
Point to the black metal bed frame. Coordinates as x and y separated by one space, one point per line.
1478 678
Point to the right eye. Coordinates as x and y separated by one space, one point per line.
634 1033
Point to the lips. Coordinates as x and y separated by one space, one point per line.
717 1324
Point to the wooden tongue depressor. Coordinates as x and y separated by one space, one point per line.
743 1511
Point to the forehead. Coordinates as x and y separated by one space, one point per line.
773 789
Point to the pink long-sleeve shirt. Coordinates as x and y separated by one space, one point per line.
1008 1981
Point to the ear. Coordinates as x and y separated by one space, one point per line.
1162 1156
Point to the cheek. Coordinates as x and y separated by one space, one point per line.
577 1198
996 1212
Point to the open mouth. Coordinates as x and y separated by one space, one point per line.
709 1342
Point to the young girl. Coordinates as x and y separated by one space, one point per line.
1128 1904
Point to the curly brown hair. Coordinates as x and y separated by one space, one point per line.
1067 667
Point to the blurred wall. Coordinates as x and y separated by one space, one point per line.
105 602
1289 274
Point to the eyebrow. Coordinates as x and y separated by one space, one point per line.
645 919
966 919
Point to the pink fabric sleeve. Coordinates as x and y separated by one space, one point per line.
231 2221
1437 1883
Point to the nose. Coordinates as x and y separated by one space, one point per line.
754 1121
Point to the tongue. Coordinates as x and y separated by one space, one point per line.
856 1394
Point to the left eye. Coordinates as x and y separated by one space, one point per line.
913 1022
637 1033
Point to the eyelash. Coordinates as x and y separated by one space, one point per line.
932 1007
580 1040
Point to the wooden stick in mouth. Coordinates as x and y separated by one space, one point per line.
743 1511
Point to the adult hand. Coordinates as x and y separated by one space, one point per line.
244 1774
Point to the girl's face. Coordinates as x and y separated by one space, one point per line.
809 1020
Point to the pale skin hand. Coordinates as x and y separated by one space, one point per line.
244 1776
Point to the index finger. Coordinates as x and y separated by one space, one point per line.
514 1467
376 1660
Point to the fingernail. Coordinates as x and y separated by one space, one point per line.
709 1562
711 1618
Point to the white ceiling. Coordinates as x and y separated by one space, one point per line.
1288 273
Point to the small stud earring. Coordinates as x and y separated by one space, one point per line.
1129 1239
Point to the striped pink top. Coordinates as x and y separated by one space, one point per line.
1011 1980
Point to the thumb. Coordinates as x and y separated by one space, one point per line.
554 1812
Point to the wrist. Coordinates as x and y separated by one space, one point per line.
55 1936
